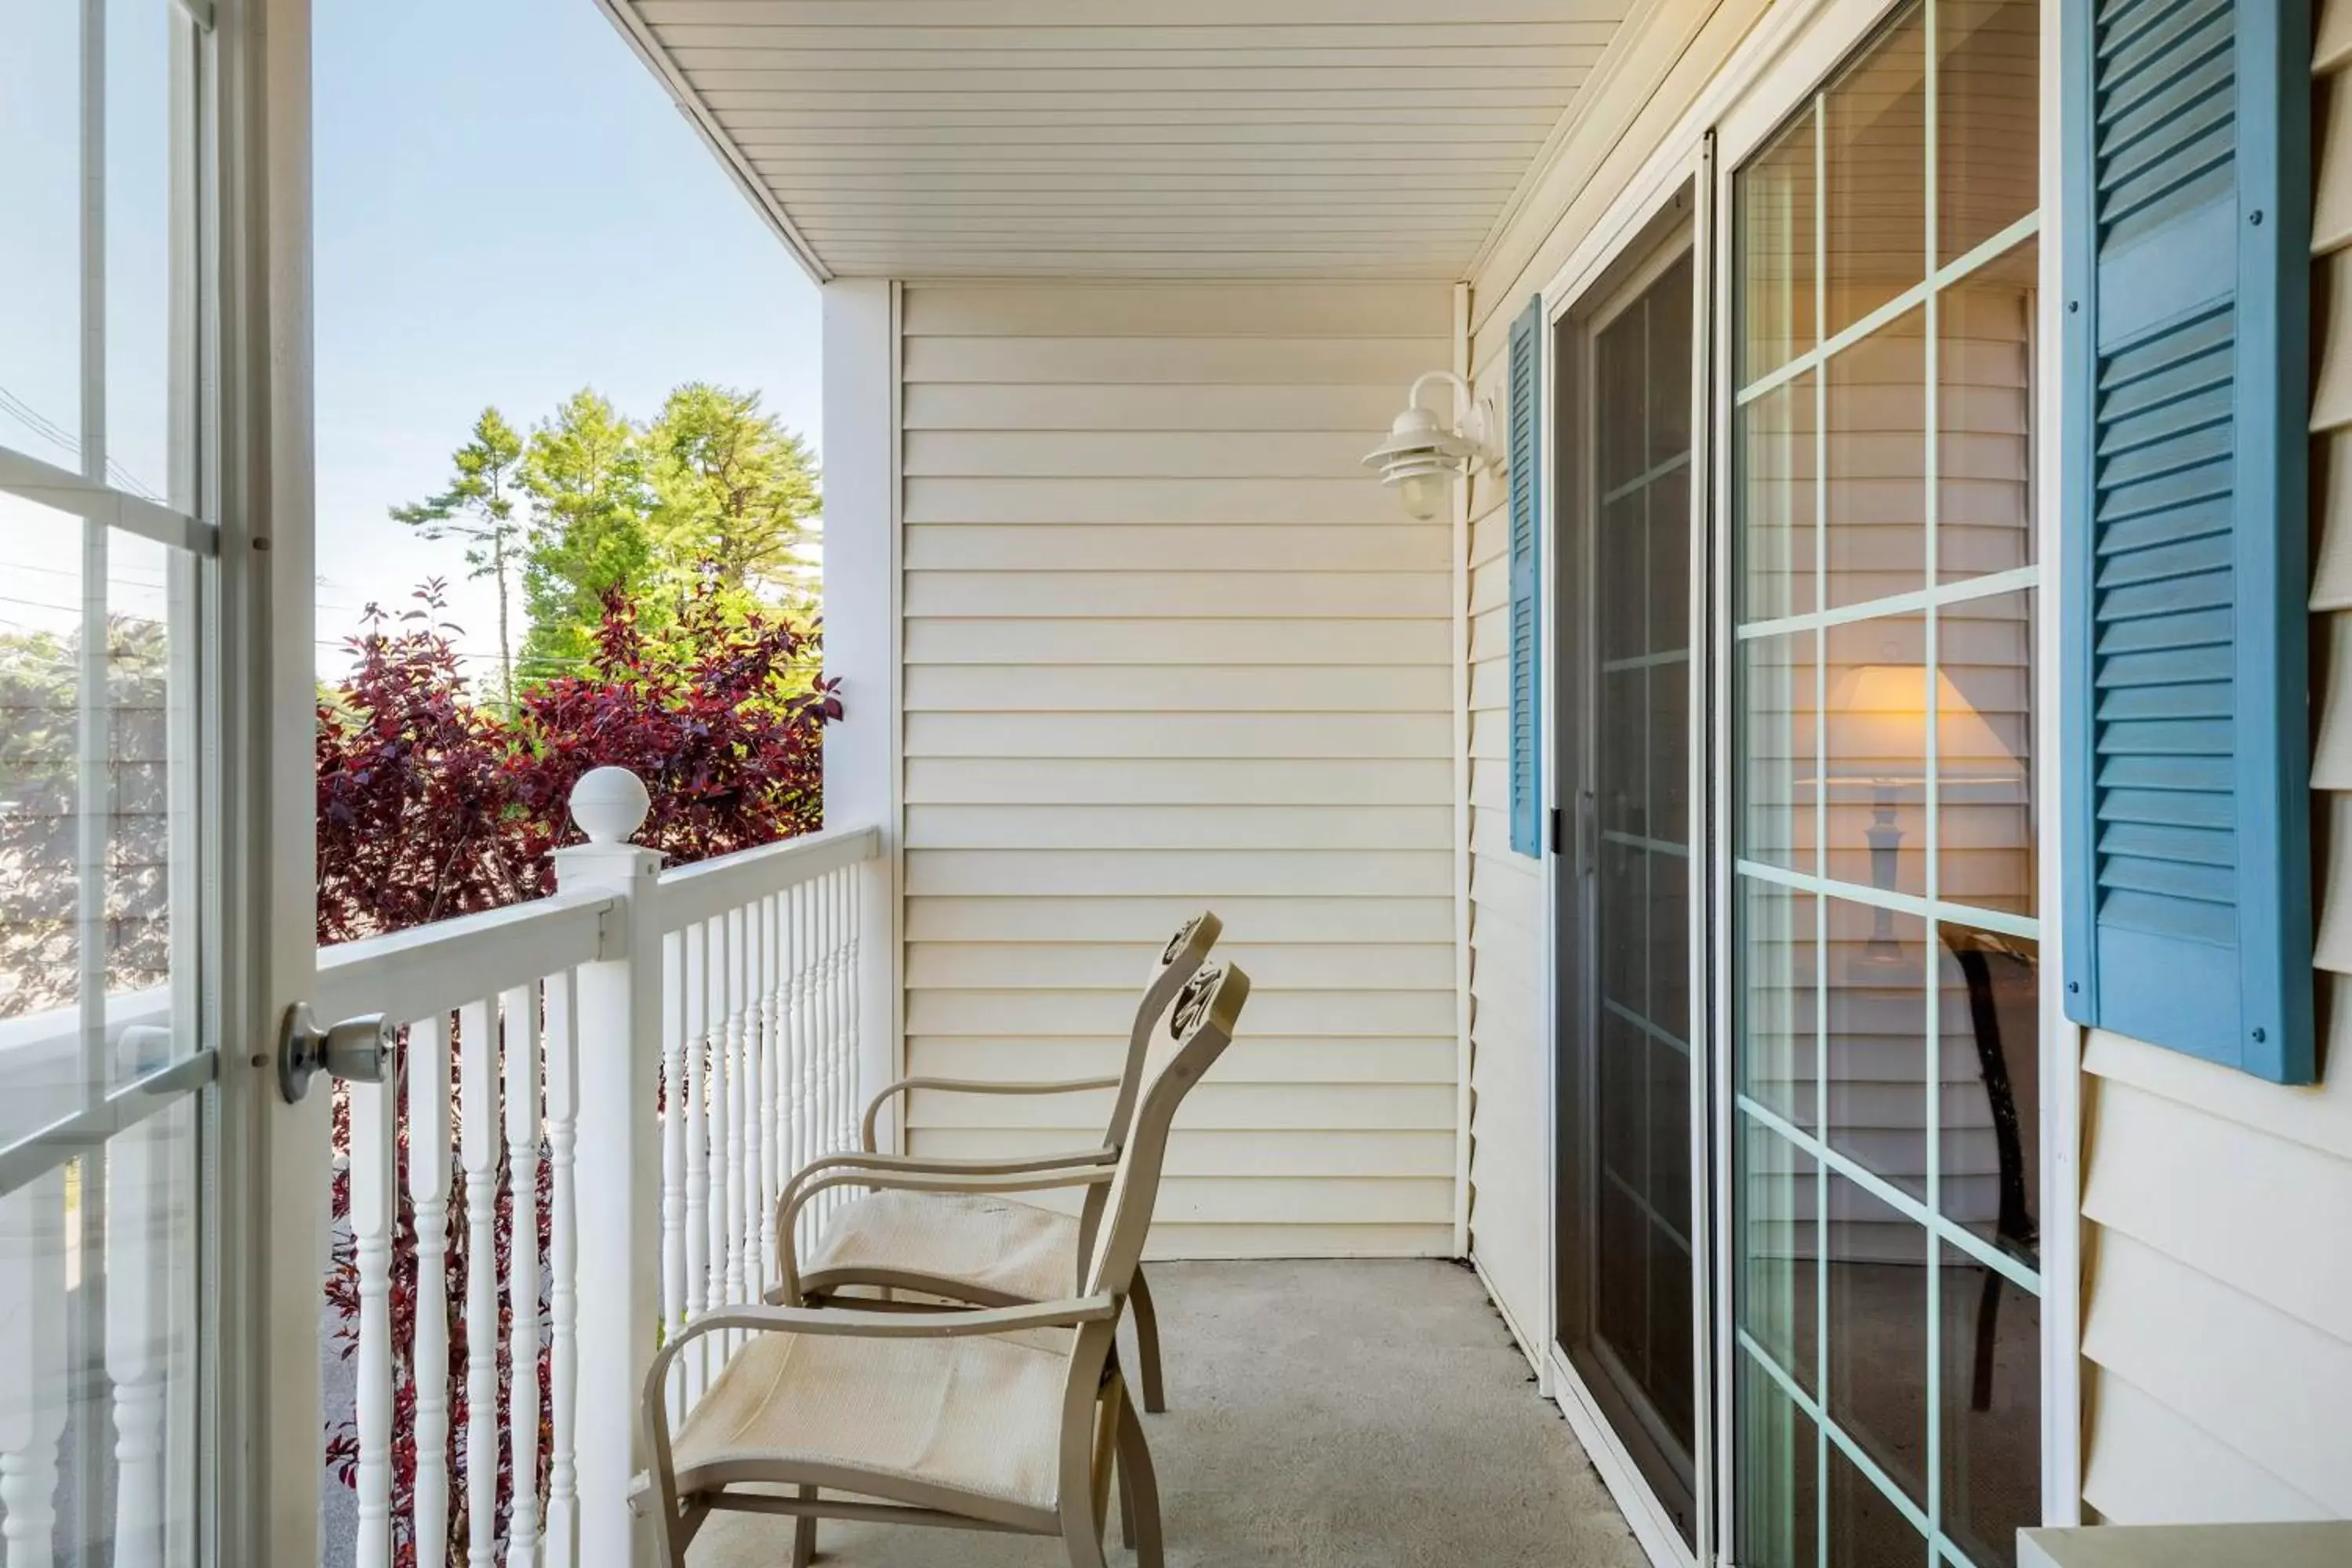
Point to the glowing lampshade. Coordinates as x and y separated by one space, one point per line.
1878 729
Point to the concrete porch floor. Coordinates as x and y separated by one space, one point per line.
1321 1415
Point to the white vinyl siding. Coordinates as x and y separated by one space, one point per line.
1667 57
1168 646
2217 1315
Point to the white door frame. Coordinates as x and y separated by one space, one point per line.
1797 44
1574 311
273 1174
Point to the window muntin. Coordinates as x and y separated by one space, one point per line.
1885 931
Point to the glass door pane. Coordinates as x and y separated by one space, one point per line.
108 1121
1627 1321
1883 933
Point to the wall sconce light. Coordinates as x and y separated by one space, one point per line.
1423 458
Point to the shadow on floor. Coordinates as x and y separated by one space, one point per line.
1321 1415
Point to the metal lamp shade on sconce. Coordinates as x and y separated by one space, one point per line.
1424 455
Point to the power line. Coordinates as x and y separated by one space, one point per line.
41 425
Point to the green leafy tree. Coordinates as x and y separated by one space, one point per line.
583 471
478 508
734 492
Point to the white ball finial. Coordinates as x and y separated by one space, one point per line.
609 804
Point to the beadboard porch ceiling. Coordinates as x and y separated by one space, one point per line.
1109 137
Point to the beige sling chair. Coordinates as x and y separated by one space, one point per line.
1011 1418
942 1228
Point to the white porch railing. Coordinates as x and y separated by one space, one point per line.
672 1045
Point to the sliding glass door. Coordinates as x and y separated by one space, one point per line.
1883 940
1626 1277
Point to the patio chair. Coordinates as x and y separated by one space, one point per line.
924 1229
1012 1418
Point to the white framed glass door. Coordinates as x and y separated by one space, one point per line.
1881 934
110 1126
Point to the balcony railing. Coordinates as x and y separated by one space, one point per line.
697 1034
656 1052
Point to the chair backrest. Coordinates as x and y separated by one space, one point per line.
1198 1031
1185 952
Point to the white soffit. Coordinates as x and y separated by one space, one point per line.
1107 138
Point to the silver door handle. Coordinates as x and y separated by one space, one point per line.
358 1050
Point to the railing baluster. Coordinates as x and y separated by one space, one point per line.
715 1217
32 1364
844 1038
836 1085
746 979
520 1007
697 1154
803 1055
730 977
143 1214
563 1267
478 1089
674 1159
852 886
771 1173
374 1203
428 1192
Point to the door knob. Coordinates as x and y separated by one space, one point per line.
356 1049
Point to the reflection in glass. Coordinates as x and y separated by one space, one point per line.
1778 1476
1988 109
1984 417
1866 1529
1777 192
1780 703
1876 753
98 1307
1984 774
1777 999
1991 1408
1779 459
1779 1283
1876 540
1877 1013
1991 1086
144 256
1882 760
1878 1309
1875 129
40 235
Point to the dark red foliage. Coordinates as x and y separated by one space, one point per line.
431 807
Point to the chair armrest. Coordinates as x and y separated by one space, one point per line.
971 1086
788 1201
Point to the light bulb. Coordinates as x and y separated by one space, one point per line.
1424 494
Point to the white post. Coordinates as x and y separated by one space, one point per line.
618 1177
861 644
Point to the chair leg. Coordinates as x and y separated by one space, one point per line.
1126 1498
1147 1344
1107 1415
1138 1493
804 1533
1082 1528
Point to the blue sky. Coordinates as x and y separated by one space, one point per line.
509 207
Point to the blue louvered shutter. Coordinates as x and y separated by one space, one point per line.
1526 457
2187 877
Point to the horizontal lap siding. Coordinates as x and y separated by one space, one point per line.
2218 1317
1168 646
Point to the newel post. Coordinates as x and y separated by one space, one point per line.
618 1170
